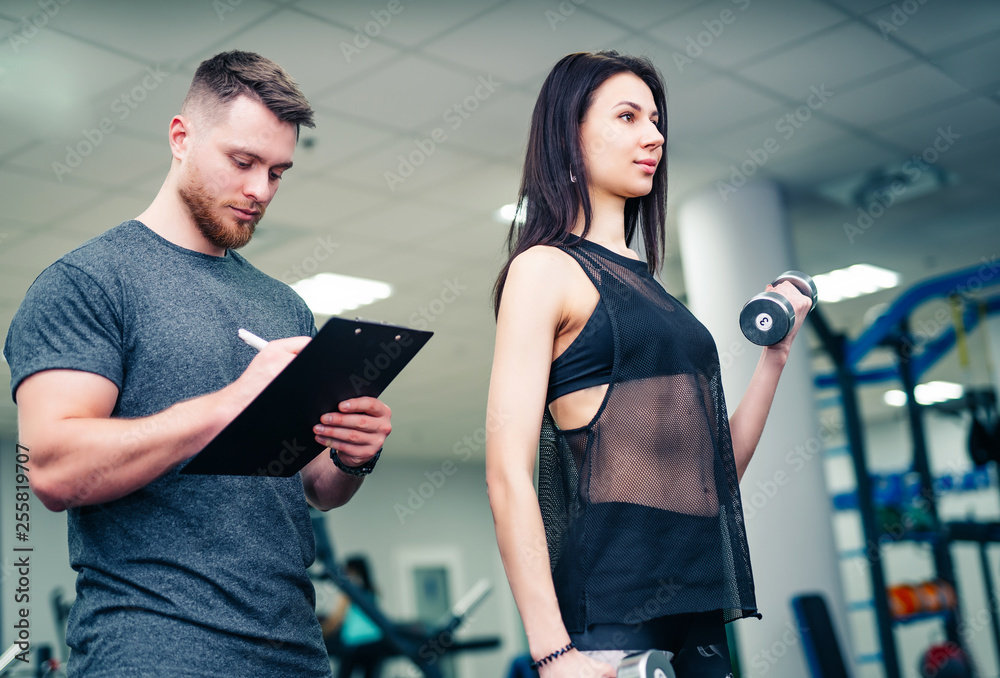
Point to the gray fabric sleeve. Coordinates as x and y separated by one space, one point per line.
66 321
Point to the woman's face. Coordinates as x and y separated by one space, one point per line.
621 143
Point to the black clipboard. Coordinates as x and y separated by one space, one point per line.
273 436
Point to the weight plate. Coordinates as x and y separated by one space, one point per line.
767 318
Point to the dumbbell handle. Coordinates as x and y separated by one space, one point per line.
802 281
649 664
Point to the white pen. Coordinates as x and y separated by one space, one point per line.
252 339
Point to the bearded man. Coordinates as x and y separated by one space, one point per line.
125 362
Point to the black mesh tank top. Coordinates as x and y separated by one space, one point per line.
642 506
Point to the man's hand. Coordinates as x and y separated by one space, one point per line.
357 431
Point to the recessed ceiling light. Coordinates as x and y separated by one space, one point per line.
854 281
506 214
330 293
931 392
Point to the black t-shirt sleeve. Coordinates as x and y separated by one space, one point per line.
66 321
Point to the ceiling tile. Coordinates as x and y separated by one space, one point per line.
842 158
499 128
894 96
414 93
932 26
968 118
12 289
678 77
10 227
480 243
976 161
107 213
832 59
16 137
974 67
47 84
171 30
282 37
26 198
411 24
862 6
406 166
718 103
334 138
483 190
113 160
316 202
40 250
295 255
401 223
729 32
639 14
777 135
152 114
486 44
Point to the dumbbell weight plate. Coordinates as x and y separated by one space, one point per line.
651 664
767 318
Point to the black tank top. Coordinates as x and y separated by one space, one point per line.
642 506
587 361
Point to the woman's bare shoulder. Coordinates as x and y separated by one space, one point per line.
541 260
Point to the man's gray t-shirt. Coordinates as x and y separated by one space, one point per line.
190 575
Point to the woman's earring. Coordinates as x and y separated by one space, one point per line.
572 177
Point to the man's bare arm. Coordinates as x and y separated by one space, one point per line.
82 456
358 431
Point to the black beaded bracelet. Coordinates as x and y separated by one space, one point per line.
558 653
357 471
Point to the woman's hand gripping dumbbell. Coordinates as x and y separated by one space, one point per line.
769 316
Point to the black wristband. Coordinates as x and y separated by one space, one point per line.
358 471
558 653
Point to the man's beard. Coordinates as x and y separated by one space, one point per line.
216 230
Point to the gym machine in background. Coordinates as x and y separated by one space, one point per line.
894 605
423 645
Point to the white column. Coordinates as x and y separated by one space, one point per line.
730 248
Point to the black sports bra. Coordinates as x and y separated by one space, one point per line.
587 361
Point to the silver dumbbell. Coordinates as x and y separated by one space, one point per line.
768 317
651 664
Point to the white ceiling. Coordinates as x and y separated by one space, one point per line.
892 90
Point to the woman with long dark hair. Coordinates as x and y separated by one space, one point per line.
635 538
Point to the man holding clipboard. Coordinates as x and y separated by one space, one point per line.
125 362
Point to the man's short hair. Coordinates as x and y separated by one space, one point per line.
226 76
